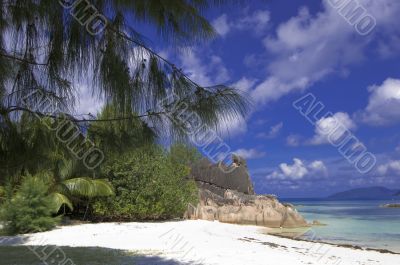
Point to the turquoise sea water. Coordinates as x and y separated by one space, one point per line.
361 223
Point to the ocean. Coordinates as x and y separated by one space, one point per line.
359 223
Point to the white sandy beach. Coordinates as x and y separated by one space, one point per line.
203 242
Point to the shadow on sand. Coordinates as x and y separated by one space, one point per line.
15 254
154 260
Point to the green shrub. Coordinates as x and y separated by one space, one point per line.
2 193
29 209
149 185
183 154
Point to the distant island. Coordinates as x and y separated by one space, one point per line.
371 193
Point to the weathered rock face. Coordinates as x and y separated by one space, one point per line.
236 177
228 196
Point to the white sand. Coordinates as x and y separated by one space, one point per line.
203 242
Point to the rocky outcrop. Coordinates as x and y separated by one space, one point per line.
391 205
227 195
233 177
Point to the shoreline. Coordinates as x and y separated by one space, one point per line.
343 245
186 242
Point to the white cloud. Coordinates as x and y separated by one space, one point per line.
273 88
207 72
232 127
307 48
221 25
293 140
299 170
296 171
389 49
250 153
398 148
384 103
87 102
256 21
392 167
317 166
244 84
333 127
273 131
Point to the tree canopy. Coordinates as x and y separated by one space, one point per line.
50 45
48 50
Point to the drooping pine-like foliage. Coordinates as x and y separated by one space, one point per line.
43 46
119 136
29 209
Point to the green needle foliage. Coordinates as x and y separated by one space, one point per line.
44 47
29 209
116 137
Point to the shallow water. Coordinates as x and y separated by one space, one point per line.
361 223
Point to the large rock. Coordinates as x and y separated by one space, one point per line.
228 196
235 177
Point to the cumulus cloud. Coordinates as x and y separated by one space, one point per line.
307 48
244 84
332 127
299 170
221 25
272 133
206 72
256 21
273 88
87 102
293 140
398 148
232 127
391 167
250 153
384 103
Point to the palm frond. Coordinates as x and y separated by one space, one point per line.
89 188
102 188
59 200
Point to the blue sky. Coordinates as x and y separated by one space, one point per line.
278 51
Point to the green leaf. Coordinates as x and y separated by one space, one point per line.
59 200
90 188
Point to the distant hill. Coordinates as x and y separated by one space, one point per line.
371 193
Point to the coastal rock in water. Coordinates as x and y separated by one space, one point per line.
391 205
318 223
228 196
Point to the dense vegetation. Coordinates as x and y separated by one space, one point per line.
138 179
150 184
29 209
44 49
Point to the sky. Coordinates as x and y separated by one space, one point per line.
278 51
